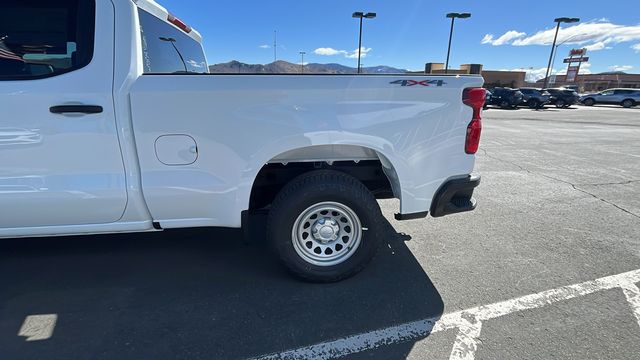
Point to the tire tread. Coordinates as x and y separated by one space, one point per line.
323 178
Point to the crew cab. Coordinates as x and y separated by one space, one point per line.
111 123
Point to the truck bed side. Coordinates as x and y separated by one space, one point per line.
232 125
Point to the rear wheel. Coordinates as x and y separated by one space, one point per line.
325 226
628 103
534 104
589 102
505 104
560 103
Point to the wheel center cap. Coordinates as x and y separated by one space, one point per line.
325 230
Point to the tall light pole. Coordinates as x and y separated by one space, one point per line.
555 50
453 17
302 53
553 46
362 15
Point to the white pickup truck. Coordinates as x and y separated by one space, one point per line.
110 122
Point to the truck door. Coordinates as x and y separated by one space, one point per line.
60 160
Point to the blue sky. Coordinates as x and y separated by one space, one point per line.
408 33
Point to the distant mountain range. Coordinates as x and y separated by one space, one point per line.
284 67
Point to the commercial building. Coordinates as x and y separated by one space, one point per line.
492 78
595 82
516 79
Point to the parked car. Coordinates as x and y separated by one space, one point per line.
506 98
624 97
129 132
487 100
534 98
563 97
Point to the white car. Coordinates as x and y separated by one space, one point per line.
111 123
624 97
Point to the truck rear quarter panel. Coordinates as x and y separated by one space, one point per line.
241 122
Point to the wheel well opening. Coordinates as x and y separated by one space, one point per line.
274 176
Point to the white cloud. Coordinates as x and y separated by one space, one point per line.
585 33
535 74
363 52
594 35
620 67
265 46
532 75
348 54
504 39
597 46
585 69
196 64
636 47
328 51
487 39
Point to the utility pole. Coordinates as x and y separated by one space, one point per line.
302 53
275 45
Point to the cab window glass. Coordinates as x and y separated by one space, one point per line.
42 38
167 49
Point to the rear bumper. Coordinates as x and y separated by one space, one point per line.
455 196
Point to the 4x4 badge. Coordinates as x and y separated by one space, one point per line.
418 82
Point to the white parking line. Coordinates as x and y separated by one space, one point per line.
468 322
632 294
38 327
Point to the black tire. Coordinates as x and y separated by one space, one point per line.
560 103
627 103
589 102
505 104
314 189
534 104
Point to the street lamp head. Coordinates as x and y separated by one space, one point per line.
566 20
459 15
360 15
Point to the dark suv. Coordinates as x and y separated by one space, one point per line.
505 98
563 98
535 98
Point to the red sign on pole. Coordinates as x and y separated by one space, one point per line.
572 73
577 52
577 59
575 56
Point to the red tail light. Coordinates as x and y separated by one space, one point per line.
179 23
475 98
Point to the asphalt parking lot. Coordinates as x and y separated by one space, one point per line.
548 266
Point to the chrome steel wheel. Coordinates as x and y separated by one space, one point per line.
326 234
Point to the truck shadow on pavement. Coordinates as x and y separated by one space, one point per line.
199 293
